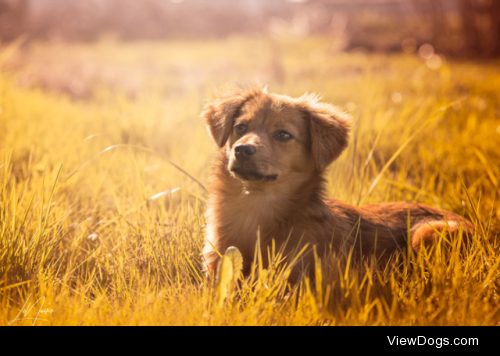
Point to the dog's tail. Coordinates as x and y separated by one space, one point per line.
426 233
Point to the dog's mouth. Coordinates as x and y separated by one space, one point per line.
252 176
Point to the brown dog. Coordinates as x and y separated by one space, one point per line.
268 178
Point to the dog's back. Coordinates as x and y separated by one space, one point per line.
384 228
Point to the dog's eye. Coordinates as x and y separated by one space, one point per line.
283 136
240 129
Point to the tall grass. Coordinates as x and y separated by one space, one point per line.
116 240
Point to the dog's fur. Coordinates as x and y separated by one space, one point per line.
278 191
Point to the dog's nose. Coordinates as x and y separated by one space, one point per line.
244 151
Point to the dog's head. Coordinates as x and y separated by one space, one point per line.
269 137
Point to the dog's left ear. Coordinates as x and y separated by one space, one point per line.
220 114
329 128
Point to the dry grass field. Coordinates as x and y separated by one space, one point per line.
98 227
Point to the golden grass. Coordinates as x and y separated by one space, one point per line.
118 242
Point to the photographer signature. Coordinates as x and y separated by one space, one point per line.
28 308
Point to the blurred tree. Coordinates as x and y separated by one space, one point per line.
495 14
481 27
470 31
13 18
478 31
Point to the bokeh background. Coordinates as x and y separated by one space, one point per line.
99 98
436 30
459 28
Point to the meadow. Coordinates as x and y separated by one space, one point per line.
100 226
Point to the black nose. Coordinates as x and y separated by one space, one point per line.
244 151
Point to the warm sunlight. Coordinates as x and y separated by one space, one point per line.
111 189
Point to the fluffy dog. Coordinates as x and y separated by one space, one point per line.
269 179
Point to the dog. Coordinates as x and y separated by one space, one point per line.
268 181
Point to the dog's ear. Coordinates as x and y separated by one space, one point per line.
329 128
220 114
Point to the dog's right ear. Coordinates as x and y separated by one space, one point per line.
329 128
219 115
